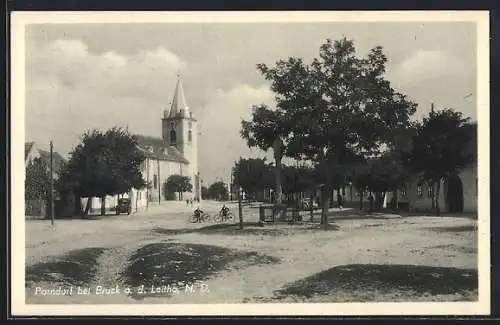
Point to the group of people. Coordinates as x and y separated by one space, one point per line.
191 201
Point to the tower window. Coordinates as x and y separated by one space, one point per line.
173 137
190 135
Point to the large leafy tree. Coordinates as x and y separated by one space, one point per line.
337 110
103 164
178 184
37 184
442 148
265 131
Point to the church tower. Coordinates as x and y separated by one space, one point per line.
180 130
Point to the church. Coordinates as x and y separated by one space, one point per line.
174 153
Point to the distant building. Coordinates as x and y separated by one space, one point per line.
31 151
38 208
459 193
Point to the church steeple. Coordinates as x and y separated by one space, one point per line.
179 106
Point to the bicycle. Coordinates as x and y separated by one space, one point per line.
204 217
222 218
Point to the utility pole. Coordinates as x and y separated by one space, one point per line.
147 183
240 210
231 188
51 183
159 183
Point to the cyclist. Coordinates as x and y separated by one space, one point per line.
224 211
198 213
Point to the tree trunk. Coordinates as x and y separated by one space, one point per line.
396 198
279 192
438 186
87 207
311 209
325 193
103 205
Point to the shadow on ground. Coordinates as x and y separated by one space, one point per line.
174 266
77 267
249 228
367 282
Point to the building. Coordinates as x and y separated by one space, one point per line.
38 208
458 193
175 152
31 151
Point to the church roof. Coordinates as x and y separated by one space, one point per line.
179 106
156 148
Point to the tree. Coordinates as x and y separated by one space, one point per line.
440 148
253 175
37 183
103 164
265 132
218 191
204 192
178 184
336 111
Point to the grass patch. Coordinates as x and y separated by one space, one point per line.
367 282
454 229
249 228
177 265
462 249
77 267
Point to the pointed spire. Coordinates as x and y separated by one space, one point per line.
179 106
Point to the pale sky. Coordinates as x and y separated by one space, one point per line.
83 76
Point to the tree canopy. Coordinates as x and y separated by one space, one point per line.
103 164
37 183
253 174
178 183
218 191
337 110
444 144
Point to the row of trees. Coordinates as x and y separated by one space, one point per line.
342 117
216 191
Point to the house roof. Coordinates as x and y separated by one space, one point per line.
160 150
27 148
58 160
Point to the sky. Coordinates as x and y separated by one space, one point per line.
96 76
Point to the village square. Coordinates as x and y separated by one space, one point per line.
348 191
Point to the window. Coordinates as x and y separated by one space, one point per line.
173 137
429 190
419 190
155 181
190 135
404 194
